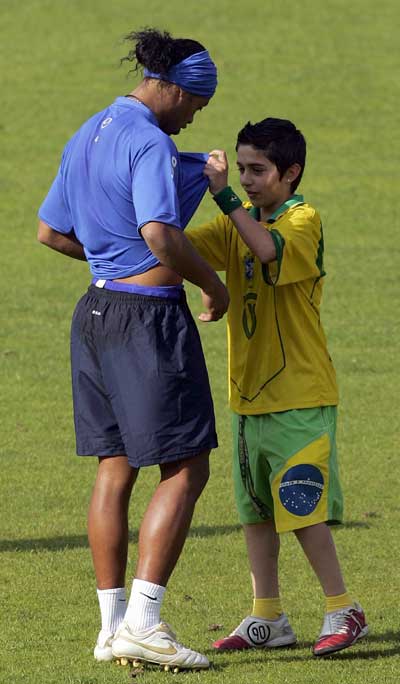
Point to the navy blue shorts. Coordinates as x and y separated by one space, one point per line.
139 379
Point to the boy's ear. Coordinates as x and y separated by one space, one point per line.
292 172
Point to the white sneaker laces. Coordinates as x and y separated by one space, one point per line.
169 634
339 623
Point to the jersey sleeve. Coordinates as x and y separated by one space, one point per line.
55 210
299 244
211 241
155 183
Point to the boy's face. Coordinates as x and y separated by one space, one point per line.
260 178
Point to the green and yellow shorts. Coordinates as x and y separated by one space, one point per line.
285 468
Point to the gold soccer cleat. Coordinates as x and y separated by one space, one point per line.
103 649
157 646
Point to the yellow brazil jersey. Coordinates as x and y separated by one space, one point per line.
278 357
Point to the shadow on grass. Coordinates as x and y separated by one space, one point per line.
80 540
351 525
374 646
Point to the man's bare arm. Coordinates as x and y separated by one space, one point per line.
65 244
172 248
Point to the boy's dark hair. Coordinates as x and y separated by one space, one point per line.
158 51
282 143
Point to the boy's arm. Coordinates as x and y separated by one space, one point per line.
251 231
291 251
256 237
300 247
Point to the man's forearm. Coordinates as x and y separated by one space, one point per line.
173 249
65 244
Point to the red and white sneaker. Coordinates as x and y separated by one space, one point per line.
254 632
341 629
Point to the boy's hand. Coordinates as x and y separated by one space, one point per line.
216 169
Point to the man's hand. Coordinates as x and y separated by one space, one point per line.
216 170
216 304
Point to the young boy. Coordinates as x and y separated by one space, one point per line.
282 389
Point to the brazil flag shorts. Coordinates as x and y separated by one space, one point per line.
139 380
285 468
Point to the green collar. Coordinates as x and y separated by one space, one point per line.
291 202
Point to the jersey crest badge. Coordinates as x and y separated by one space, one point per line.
249 267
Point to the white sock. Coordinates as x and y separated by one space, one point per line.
112 604
144 605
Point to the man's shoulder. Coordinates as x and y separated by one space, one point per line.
137 127
146 134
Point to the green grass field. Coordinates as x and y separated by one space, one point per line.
333 68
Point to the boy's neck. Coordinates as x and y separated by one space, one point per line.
267 212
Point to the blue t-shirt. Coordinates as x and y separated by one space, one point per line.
118 172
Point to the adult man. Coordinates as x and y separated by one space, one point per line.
140 386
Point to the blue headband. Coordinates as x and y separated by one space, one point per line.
196 74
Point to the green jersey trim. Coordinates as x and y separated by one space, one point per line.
320 255
291 202
320 263
279 242
278 239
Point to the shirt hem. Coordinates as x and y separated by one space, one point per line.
241 410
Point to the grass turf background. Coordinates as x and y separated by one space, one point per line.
333 69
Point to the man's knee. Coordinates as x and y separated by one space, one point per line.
190 475
115 477
200 473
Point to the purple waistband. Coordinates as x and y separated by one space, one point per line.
167 291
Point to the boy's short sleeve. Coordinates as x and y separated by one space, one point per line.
211 241
55 210
155 183
299 245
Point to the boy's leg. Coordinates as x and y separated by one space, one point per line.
344 621
263 550
263 546
162 535
307 495
267 626
319 548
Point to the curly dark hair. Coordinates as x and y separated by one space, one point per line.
157 50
